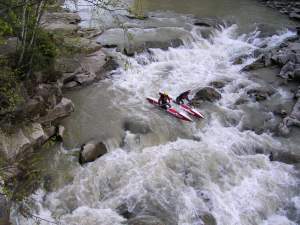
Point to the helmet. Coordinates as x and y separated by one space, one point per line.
165 93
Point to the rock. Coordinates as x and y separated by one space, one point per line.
92 67
51 95
60 132
67 64
261 93
84 79
137 39
71 85
4 211
239 60
258 63
90 32
206 94
241 101
292 120
81 45
131 50
218 84
295 16
4 102
287 71
64 17
136 126
208 22
208 219
61 28
145 220
34 108
266 30
286 157
21 140
63 109
89 152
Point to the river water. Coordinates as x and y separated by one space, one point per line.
174 172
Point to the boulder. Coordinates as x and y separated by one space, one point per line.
208 219
287 71
136 126
261 93
295 16
145 220
257 64
4 210
81 45
61 28
138 39
21 140
208 22
60 132
63 109
291 120
285 157
90 151
89 32
64 17
218 84
206 94
67 64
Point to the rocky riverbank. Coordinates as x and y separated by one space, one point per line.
288 7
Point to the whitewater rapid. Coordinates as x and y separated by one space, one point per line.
179 172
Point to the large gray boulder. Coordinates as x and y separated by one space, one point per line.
22 139
293 119
138 39
63 109
206 94
90 151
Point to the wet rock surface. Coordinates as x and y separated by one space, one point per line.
206 94
90 151
136 40
290 8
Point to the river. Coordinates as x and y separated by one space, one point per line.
177 172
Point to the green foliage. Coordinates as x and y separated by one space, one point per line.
45 51
10 93
5 30
137 9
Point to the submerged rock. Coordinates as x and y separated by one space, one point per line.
145 220
261 93
206 94
218 84
285 157
89 152
136 126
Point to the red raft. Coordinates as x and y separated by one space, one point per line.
191 111
171 110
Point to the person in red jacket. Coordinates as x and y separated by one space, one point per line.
183 96
164 100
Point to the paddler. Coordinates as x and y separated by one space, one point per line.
183 96
164 100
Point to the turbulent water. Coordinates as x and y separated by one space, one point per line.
177 172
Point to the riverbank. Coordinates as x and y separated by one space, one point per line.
154 169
